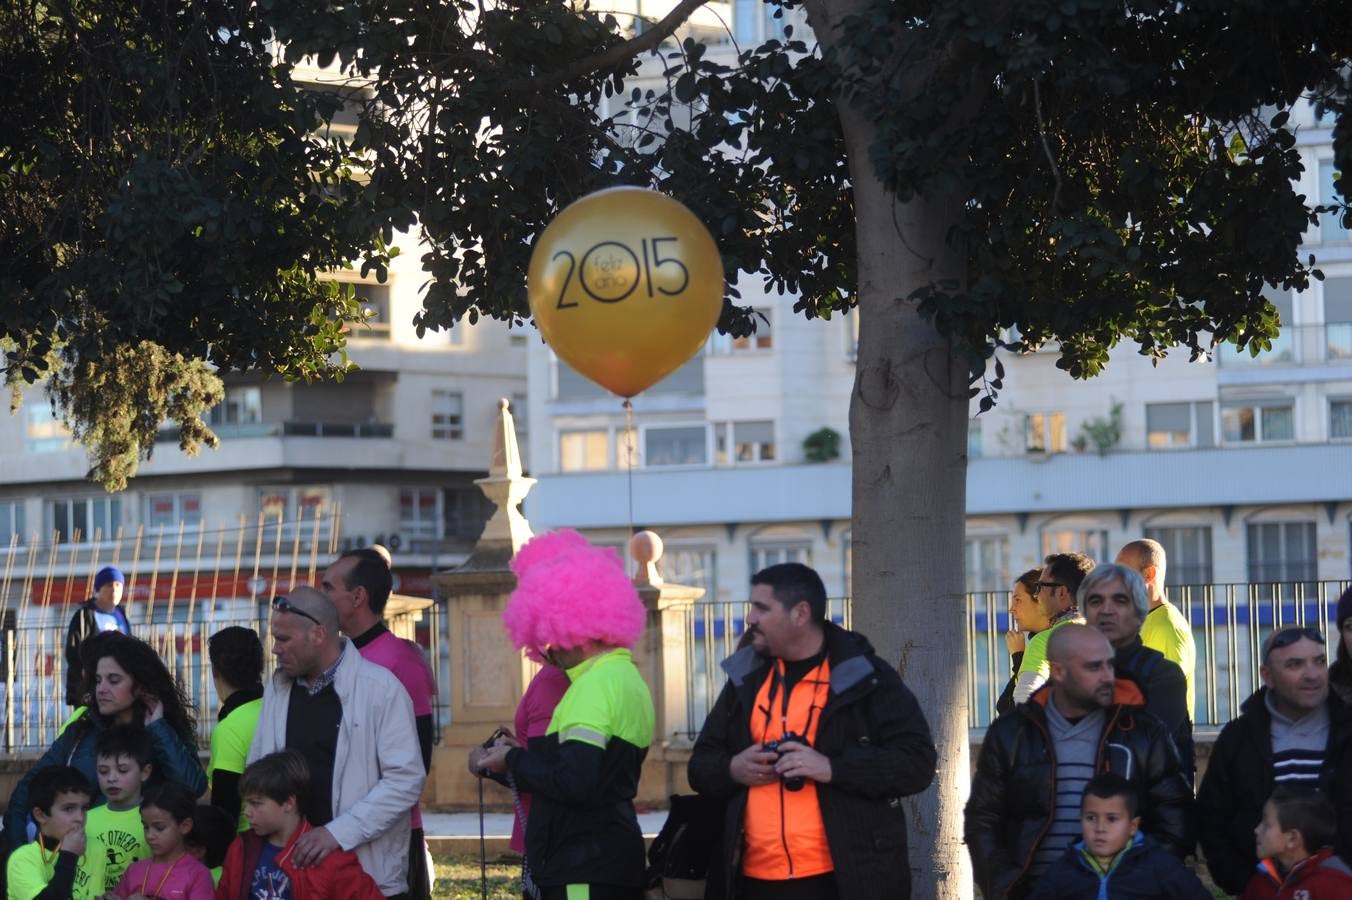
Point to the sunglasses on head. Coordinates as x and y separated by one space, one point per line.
282 604
1292 633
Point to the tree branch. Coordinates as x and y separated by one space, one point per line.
648 40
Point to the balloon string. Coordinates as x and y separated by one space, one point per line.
629 461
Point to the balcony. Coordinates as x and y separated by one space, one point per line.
291 428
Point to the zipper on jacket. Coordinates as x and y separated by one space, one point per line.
783 829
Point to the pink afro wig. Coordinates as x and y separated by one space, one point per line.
569 592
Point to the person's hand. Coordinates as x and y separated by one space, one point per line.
1016 641
494 759
753 766
476 766
313 846
75 841
801 761
154 708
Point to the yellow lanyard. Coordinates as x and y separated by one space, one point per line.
146 878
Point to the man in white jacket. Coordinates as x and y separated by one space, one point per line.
353 722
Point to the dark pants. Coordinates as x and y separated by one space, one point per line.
419 882
818 887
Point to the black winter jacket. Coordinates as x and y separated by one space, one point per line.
880 749
1013 799
1166 695
1239 779
1145 872
82 625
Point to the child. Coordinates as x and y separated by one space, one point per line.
1294 839
259 864
1115 860
171 873
212 832
116 836
48 868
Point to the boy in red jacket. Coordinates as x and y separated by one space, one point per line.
1294 820
259 866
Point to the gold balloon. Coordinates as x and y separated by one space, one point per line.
625 285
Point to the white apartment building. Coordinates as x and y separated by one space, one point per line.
1240 466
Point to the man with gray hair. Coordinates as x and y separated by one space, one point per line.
1114 600
1165 629
353 722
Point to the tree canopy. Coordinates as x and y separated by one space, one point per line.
1127 170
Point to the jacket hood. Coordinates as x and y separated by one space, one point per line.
1125 693
850 654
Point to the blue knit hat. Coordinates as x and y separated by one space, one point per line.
107 575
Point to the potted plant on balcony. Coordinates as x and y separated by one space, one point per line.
822 445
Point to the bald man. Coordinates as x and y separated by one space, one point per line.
1165 628
1024 809
353 722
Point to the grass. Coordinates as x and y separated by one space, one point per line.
458 878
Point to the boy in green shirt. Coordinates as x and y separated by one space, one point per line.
116 836
49 868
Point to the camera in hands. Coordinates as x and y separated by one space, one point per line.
796 782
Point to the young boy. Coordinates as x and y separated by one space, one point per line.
1115 860
258 865
212 832
123 755
48 868
1294 842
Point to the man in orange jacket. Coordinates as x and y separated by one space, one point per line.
812 743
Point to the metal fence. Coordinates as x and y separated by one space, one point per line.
1229 623
184 583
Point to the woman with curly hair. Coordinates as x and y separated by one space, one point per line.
125 682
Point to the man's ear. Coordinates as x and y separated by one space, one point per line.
1148 574
145 772
40 817
1135 825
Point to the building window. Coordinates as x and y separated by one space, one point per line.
1046 432
520 415
78 519
1338 317
466 512
754 22
294 513
375 305
582 451
1340 419
44 432
1092 542
693 566
241 406
751 442
11 523
1331 230
1187 553
772 554
1250 423
760 341
1282 551
986 564
1180 425
165 512
448 415
420 512
685 445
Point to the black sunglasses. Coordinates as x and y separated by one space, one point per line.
282 604
1292 633
1049 584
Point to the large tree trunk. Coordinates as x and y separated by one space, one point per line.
908 428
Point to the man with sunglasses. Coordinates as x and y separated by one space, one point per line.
353 722
1056 593
811 745
1291 731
